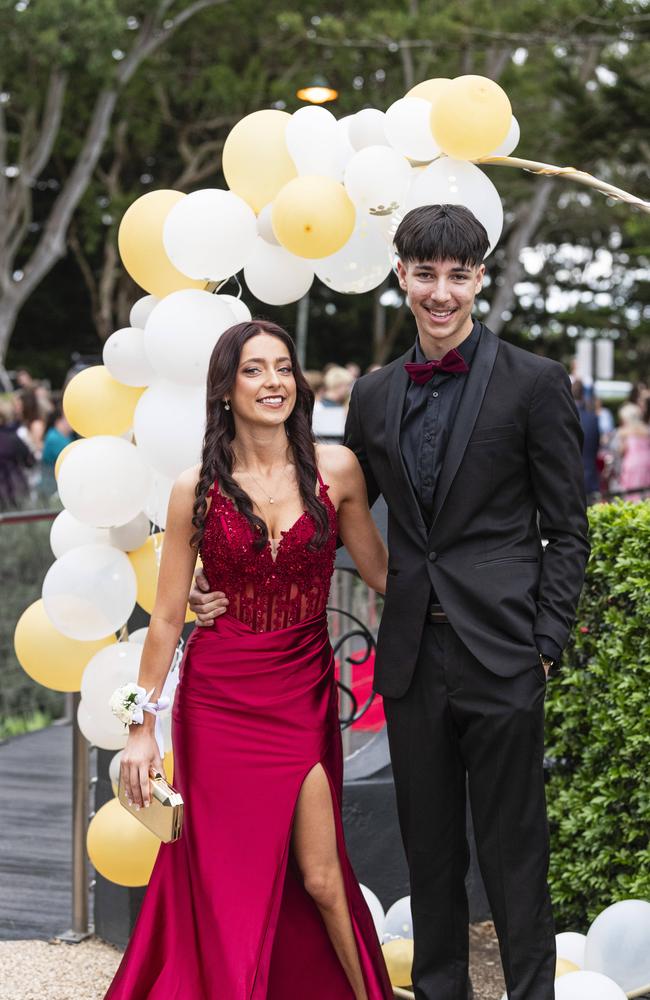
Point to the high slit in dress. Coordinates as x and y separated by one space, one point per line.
225 915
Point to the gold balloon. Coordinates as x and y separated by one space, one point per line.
140 242
430 90
258 138
49 657
62 454
563 965
96 403
168 765
146 563
398 955
471 118
120 847
313 216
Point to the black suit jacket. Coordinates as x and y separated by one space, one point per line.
514 453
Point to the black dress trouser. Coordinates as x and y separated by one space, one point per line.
459 723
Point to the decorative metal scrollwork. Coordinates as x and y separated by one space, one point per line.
360 631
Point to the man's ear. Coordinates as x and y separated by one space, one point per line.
480 274
401 274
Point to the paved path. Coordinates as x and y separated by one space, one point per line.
35 838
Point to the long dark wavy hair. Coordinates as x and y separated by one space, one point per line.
218 457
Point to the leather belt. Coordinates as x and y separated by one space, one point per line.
436 615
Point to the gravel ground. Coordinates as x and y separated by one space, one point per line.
44 970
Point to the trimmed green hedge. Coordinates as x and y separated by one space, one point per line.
598 727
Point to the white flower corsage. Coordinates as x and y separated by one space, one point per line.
129 703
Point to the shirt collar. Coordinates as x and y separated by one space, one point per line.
466 349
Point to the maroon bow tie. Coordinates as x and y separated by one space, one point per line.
452 362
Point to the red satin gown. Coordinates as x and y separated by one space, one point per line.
225 915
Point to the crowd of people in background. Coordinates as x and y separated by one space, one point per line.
34 431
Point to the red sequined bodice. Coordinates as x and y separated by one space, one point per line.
264 592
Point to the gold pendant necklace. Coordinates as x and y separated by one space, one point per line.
271 499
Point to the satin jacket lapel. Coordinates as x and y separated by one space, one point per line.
398 384
468 411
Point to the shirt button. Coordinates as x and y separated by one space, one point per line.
427 437
433 556
434 394
427 481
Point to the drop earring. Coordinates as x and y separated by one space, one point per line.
226 404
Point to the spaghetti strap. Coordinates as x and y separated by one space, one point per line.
323 485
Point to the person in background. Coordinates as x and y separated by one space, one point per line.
375 367
331 410
354 369
591 442
633 443
15 460
59 435
31 430
316 382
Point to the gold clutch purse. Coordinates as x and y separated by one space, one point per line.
164 815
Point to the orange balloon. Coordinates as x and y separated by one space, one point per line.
313 216
471 117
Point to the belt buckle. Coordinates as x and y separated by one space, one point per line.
437 615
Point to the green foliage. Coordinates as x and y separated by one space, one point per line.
598 728
25 557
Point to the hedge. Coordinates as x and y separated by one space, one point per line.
598 727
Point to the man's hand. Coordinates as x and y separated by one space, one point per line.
206 604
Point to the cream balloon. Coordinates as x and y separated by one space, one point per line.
399 921
240 310
430 90
587 986
209 234
104 481
114 770
68 532
408 129
265 225
510 142
112 738
471 117
618 944
169 425
181 333
157 502
456 182
377 179
139 635
571 945
367 128
103 674
275 276
259 137
131 535
141 310
313 217
124 356
362 264
312 137
376 909
89 592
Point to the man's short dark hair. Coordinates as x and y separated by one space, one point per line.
442 232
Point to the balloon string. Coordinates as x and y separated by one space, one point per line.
580 176
215 286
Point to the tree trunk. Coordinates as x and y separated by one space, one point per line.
10 305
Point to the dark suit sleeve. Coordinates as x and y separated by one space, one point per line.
554 439
354 440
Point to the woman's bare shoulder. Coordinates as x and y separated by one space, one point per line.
336 459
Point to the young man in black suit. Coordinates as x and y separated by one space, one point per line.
476 447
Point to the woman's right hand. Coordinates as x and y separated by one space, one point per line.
140 754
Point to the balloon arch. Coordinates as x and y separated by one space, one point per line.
308 197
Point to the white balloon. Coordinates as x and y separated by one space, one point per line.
181 333
312 140
275 276
367 129
618 944
141 310
107 670
169 425
571 945
90 591
157 502
114 770
209 234
344 148
363 263
124 356
238 307
408 128
510 142
132 535
376 909
456 182
112 738
67 532
377 179
399 922
139 635
587 986
104 481
265 225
